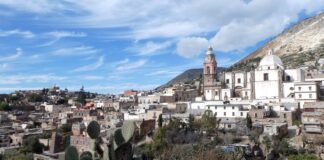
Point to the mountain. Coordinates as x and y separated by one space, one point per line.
187 76
300 45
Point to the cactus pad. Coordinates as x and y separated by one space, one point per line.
93 129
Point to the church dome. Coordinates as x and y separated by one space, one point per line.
271 60
210 50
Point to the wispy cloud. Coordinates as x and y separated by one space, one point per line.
91 67
225 62
12 57
131 65
150 48
57 35
17 32
43 7
41 78
63 34
75 51
3 66
118 88
164 73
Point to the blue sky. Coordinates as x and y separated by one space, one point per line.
112 45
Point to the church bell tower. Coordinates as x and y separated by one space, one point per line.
210 68
211 84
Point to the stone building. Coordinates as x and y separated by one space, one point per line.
78 128
82 143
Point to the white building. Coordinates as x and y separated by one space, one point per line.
219 109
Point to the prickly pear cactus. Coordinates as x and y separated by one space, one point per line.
120 146
86 156
71 153
93 129
128 130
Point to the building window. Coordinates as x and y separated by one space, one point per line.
310 88
208 107
265 76
285 115
268 68
241 114
300 96
287 78
224 113
224 107
232 107
227 81
208 70
255 115
233 113
299 88
229 126
246 93
310 96
239 80
216 93
215 113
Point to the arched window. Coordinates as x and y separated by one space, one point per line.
208 70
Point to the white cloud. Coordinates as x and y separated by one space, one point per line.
73 51
150 48
131 65
25 34
191 46
91 67
12 57
92 77
17 79
237 26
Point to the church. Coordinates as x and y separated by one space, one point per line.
268 82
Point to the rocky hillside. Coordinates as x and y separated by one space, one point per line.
301 44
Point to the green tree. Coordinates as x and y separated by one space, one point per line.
160 121
285 148
35 98
191 121
302 157
248 122
4 106
65 128
82 96
210 121
254 136
32 144
267 143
